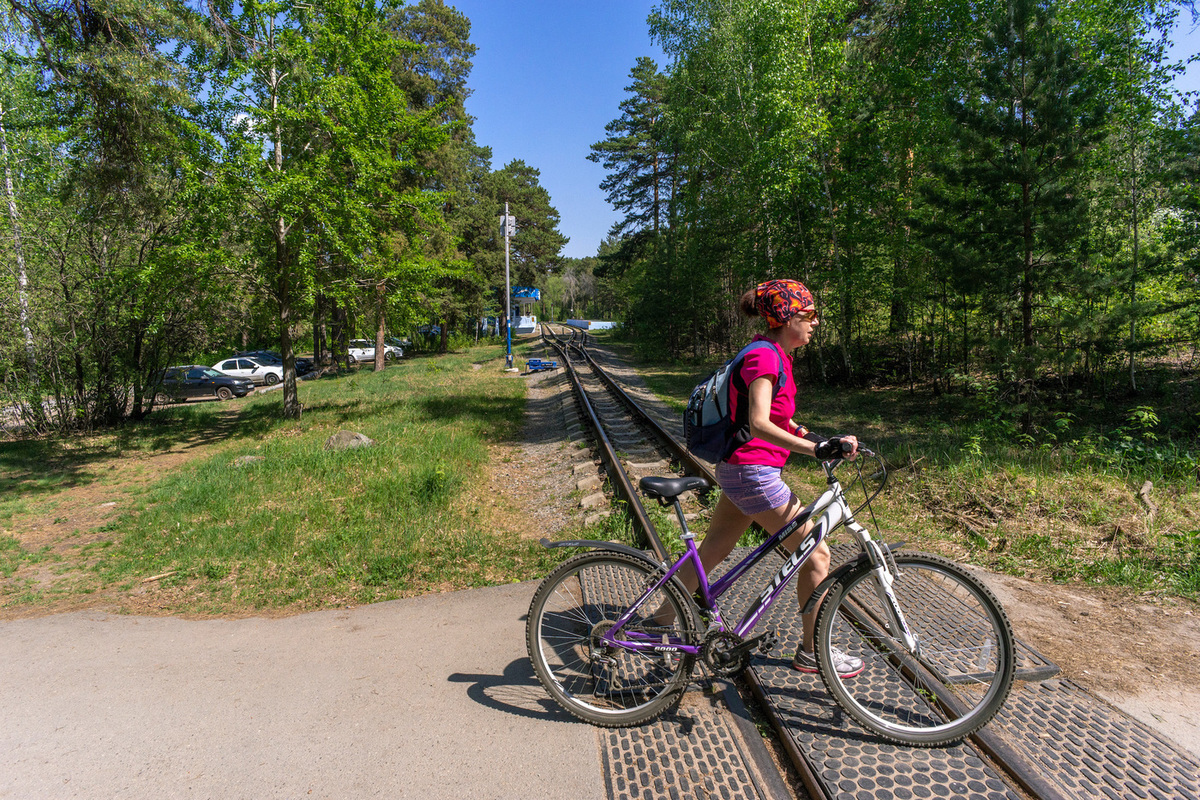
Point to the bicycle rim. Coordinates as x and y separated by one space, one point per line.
603 685
961 672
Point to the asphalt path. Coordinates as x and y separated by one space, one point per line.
431 697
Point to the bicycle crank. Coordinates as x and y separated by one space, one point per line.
726 654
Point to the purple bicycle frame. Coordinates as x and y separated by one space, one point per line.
638 641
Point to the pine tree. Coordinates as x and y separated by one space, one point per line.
1010 200
639 165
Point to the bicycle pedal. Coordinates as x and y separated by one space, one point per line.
769 640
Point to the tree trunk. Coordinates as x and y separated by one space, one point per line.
318 324
139 346
19 258
898 317
291 397
1134 278
1028 369
380 325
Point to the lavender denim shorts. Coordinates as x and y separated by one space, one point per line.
753 488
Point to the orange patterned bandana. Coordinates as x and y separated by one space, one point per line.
779 301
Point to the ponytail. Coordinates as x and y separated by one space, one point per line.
748 303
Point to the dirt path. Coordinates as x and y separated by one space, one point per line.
96 488
1142 656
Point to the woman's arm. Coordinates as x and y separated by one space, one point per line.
761 427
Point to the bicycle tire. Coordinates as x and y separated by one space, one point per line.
616 687
964 666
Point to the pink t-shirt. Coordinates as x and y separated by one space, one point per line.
757 363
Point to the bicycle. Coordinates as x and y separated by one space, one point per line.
937 645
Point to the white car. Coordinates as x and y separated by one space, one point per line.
364 350
246 367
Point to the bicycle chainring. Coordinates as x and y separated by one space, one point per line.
723 654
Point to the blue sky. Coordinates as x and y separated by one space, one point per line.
548 76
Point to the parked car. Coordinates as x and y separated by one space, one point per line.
303 365
246 367
403 344
364 350
196 380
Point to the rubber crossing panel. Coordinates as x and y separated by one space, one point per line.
1075 744
700 750
849 762
695 752
1089 749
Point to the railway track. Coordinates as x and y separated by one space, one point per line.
1052 741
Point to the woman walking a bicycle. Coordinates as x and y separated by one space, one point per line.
614 638
750 473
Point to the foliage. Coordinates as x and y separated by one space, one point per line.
403 517
197 178
969 189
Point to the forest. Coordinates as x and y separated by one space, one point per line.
998 196
1001 195
185 178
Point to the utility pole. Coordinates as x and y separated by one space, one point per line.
510 227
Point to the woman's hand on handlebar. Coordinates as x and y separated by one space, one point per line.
841 446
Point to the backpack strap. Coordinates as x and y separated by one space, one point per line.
739 432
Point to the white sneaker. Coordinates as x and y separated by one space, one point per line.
846 666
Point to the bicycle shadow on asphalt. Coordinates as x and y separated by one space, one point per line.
516 692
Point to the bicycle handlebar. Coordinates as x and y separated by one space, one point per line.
832 464
846 447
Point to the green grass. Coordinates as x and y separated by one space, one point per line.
304 526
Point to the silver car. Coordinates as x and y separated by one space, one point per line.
364 350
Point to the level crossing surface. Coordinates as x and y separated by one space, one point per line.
1051 740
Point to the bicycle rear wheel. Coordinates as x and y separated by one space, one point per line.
603 685
961 672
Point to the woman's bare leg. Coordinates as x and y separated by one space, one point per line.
814 570
726 527
808 579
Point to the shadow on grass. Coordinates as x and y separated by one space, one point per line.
498 417
43 465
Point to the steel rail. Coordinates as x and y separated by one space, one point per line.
612 462
804 768
692 465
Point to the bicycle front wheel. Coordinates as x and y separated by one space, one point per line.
610 686
954 681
